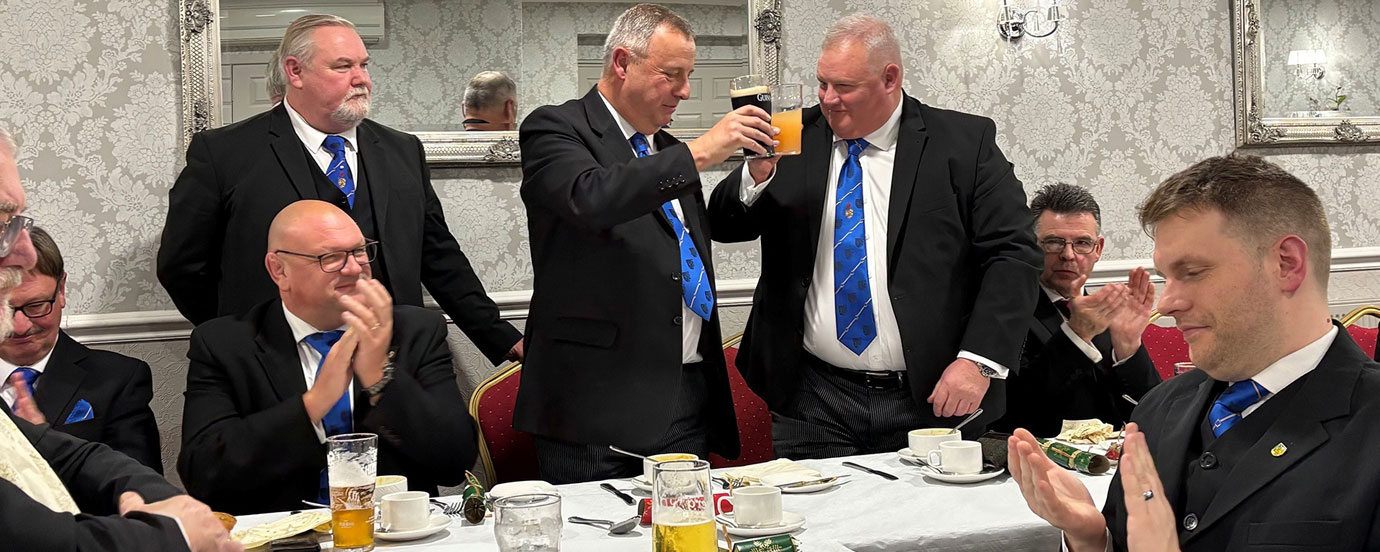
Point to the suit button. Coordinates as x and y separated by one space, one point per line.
805 282
1191 522
675 276
676 320
1208 461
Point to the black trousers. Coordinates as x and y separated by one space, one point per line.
563 462
835 415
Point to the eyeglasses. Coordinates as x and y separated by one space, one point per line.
39 309
335 261
9 234
1055 246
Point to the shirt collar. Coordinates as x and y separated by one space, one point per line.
8 367
314 138
301 328
624 125
1293 366
1055 297
884 138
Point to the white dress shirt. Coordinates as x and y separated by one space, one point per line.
310 360
691 324
7 368
315 140
1087 348
886 352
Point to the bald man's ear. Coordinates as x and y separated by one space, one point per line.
891 76
276 270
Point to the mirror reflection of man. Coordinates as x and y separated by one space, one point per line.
96 395
490 102
317 144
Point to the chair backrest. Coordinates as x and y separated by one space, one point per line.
507 454
1166 346
754 420
1365 337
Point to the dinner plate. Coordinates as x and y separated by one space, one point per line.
790 521
641 484
438 523
987 472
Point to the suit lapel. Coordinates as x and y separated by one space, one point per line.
374 159
614 143
288 148
60 380
910 148
818 144
277 353
1048 318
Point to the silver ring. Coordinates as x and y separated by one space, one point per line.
377 326
1148 495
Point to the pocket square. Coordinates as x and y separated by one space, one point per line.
80 413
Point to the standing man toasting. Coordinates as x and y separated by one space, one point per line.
898 265
624 337
317 144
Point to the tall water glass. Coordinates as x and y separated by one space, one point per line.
528 523
751 90
682 507
351 467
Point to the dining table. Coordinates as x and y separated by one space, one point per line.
863 513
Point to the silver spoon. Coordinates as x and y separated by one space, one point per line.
970 418
621 451
932 466
613 528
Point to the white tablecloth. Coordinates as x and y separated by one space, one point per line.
867 514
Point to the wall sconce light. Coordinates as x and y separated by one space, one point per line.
1316 58
1014 22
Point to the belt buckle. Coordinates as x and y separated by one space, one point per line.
882 382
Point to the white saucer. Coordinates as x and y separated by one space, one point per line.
438 523
790 521
641 483
988 472
907 453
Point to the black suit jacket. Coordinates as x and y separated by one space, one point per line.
95 476
117 387
604 331
1320 494
237 178
962 264
1057 381
248 445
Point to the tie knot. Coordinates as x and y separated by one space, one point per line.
334 144
323 341
856 146
1241 395
27 374
639 143
1063 306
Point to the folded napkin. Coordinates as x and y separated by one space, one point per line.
781 471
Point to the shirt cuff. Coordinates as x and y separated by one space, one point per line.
1116 362
1064 542
749 191
184 532
1001 370
1087 348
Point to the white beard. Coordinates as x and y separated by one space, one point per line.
351 112
10 278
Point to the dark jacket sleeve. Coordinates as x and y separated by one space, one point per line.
729 220
421 413
131 427
1003 245
95 476
189 251
1135 377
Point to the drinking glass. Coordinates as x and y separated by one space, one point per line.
351 467
528 523
682 507
1181 367
751 90
785 115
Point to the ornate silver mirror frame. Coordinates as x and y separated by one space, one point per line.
200 36
1253 128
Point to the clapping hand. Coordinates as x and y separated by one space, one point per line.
1149 518
1092 314
1128 322
1054 494
370 315
24 404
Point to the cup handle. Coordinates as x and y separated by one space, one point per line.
718 503
936 458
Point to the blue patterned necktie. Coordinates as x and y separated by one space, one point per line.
1226 411
339 171
694 281
853 317
339 419
28 375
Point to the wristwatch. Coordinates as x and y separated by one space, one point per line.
377 388
985 370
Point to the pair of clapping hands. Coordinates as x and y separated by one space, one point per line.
361 352
1123 310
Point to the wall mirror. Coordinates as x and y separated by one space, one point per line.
1304 71
424 52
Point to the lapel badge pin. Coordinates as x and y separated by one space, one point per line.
1279 450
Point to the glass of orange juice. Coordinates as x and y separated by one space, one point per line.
786 102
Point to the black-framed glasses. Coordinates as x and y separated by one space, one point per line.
9 234
1054 246
40 309
335 260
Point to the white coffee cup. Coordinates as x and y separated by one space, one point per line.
406 511
961 457
924 441
385 485
755 506
652 460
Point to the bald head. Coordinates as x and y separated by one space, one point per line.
301 222
316 254
868 34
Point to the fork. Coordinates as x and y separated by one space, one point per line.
451 509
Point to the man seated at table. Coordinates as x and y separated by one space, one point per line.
261 399
1265 445
96 395
1083 352
490 102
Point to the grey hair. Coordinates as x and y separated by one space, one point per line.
875 36
634 29
297 42
7 142
1065 199
489 89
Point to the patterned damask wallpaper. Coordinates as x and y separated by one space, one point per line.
1344 30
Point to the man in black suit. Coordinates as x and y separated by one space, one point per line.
624 337
1083 354
58 492
265 388
898 265
317 144
96 395
1264 445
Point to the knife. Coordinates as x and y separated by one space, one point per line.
878 473
620 494
811 482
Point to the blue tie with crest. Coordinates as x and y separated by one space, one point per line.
339 171
694 281
853 319
1226 410
29 375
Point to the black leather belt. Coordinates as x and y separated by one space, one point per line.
871 380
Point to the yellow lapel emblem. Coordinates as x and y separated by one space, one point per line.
1279 450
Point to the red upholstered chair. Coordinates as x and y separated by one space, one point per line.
754 420
1365 337
507 454
1166 346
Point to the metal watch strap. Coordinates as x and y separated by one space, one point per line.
985 370
388 368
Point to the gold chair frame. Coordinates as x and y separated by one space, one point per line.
1359 312
485 459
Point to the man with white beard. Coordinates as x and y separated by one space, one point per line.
317 144
58 492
